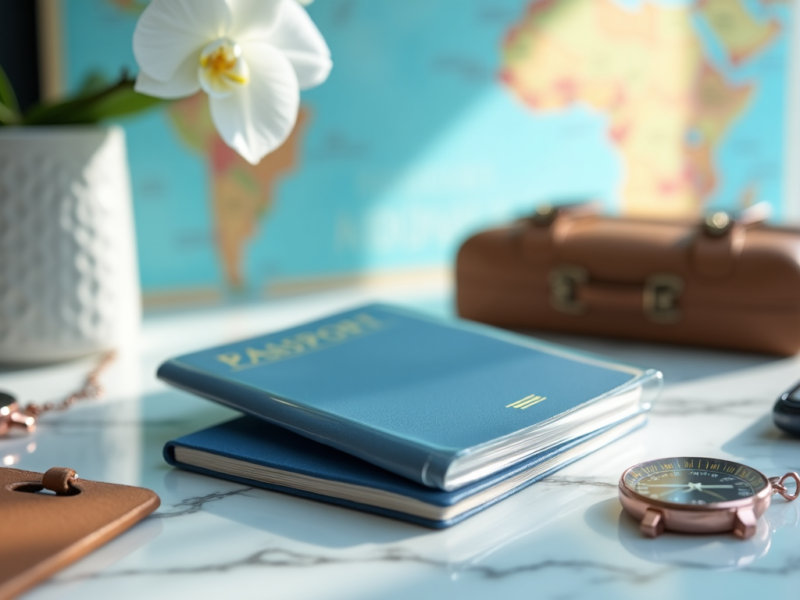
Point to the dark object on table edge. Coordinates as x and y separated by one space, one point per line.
786 411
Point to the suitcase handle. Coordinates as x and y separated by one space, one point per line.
572 292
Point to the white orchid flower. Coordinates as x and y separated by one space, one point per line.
252 58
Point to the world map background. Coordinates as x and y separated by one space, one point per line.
441 117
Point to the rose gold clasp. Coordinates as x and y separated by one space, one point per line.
11 417
779 488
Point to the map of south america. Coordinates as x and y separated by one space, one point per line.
668 106
241 193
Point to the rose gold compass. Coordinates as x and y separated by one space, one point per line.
699 495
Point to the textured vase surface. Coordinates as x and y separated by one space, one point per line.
68 272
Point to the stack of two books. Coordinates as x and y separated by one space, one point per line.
396 413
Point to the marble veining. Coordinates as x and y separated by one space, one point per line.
277 557
594 571
192 505
564 537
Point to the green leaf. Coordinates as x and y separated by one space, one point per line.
116 101
123 102
95 82
8 116
8 99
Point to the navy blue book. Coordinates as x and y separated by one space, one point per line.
250 451
443 403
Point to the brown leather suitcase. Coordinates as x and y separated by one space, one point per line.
728 282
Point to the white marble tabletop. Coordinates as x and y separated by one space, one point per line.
564 537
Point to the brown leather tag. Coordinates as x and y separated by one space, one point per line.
44 532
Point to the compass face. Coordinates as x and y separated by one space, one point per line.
694 481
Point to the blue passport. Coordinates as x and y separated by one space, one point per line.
442 403
249 451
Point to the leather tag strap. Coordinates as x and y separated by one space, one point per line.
716 256
59 480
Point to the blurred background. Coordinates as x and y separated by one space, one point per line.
440 118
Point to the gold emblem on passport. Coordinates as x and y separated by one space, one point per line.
527 402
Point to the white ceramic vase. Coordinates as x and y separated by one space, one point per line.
68 272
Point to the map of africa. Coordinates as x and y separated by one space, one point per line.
442 117
668 106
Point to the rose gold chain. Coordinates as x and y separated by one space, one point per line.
91 389
778 486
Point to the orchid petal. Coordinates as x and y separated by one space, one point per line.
184 82
302 43
169 31
253 19
258 118
286 25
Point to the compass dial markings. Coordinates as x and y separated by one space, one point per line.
691 480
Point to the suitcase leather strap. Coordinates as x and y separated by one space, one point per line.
716 247
721 238
549 225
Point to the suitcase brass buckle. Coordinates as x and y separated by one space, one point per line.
564 282
661 294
